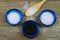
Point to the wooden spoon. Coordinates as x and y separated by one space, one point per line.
32 10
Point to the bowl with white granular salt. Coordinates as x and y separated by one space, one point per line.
14 17
47 17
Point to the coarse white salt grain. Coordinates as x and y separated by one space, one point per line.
32 11
25 6
13 18
47 18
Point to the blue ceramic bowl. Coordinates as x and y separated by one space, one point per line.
14 17
30 29
47 18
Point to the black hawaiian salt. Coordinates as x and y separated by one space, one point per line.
30 29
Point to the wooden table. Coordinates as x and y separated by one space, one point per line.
8 32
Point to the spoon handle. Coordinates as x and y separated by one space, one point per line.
40 4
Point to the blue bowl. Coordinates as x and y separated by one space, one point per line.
30 29
20 16
52 13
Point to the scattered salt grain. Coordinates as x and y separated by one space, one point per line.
32 11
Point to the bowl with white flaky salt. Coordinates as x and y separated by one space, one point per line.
14 17
47 17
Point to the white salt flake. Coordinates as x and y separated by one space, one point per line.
47 18
25 5
13 17
32 11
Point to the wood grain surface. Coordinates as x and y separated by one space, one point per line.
8 32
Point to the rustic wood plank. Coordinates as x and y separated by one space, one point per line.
8 32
